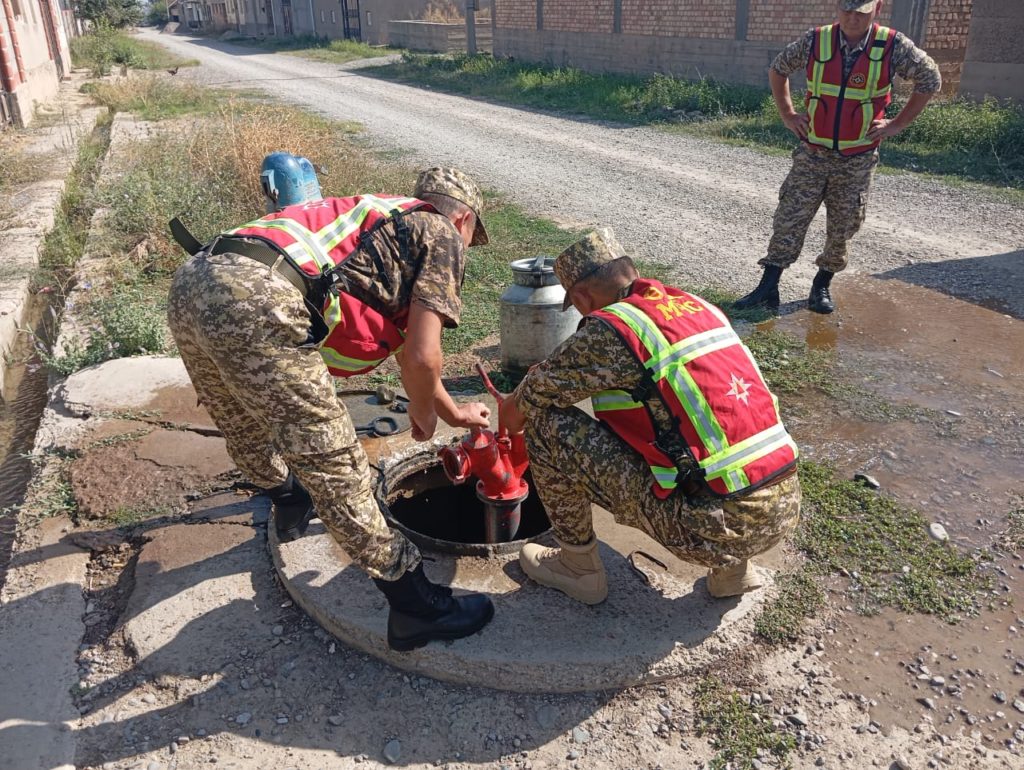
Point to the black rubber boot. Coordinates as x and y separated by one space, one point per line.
421 611
766 294
820 300
293 508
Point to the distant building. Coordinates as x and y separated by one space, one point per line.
34 55
365 20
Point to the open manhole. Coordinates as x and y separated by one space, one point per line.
419 500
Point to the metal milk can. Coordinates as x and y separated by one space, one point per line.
532 321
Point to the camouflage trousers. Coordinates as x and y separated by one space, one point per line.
242 331
820 176
577 461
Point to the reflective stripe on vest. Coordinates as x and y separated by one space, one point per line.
723 463
827 93
346 350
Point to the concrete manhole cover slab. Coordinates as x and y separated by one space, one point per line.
539 640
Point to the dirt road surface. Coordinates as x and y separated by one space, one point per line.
698 204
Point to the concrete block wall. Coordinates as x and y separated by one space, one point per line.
702 36
994 60
434 36
732 60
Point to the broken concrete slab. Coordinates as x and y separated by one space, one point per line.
202 592
159 471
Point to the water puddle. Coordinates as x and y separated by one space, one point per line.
956 458
958 367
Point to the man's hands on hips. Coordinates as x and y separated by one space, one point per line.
797 122
883 129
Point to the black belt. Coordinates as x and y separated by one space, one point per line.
268 256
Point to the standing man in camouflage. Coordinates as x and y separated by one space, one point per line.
687 446
849 67
266 313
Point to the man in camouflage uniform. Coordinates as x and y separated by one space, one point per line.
823 175
577 460
245 334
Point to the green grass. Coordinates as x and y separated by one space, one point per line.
799 597
319 49
105 49
129 517
156 97
125 323
65 242
977 142
883 545
740 731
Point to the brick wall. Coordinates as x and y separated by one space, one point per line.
949 22
784 20
705 32
680 18
515 14
579 15
780 20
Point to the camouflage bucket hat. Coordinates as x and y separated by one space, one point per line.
586 257
454 184
858 5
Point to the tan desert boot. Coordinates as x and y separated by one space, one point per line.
733 581
575 570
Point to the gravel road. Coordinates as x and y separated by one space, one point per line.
703 206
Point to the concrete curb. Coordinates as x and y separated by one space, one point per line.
41 604
54 148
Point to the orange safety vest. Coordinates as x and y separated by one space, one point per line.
841 110
726 420
317 237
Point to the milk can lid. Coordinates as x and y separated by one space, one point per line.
539 265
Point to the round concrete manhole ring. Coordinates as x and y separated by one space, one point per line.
438 516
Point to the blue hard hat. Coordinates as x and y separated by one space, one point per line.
288 180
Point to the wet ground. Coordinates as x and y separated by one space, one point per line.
21 405
957 459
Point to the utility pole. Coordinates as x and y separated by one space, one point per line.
471 8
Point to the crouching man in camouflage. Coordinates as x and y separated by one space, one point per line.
688 445
266 313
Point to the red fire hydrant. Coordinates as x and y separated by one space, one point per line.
499 462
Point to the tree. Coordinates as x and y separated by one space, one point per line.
110 13
157 13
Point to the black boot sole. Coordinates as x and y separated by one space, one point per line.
768 303
410 643
820 309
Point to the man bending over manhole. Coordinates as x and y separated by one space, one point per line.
688 445
266 313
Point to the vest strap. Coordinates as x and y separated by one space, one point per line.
267 255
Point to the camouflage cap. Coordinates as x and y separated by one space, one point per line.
454 184
860 6
585 257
